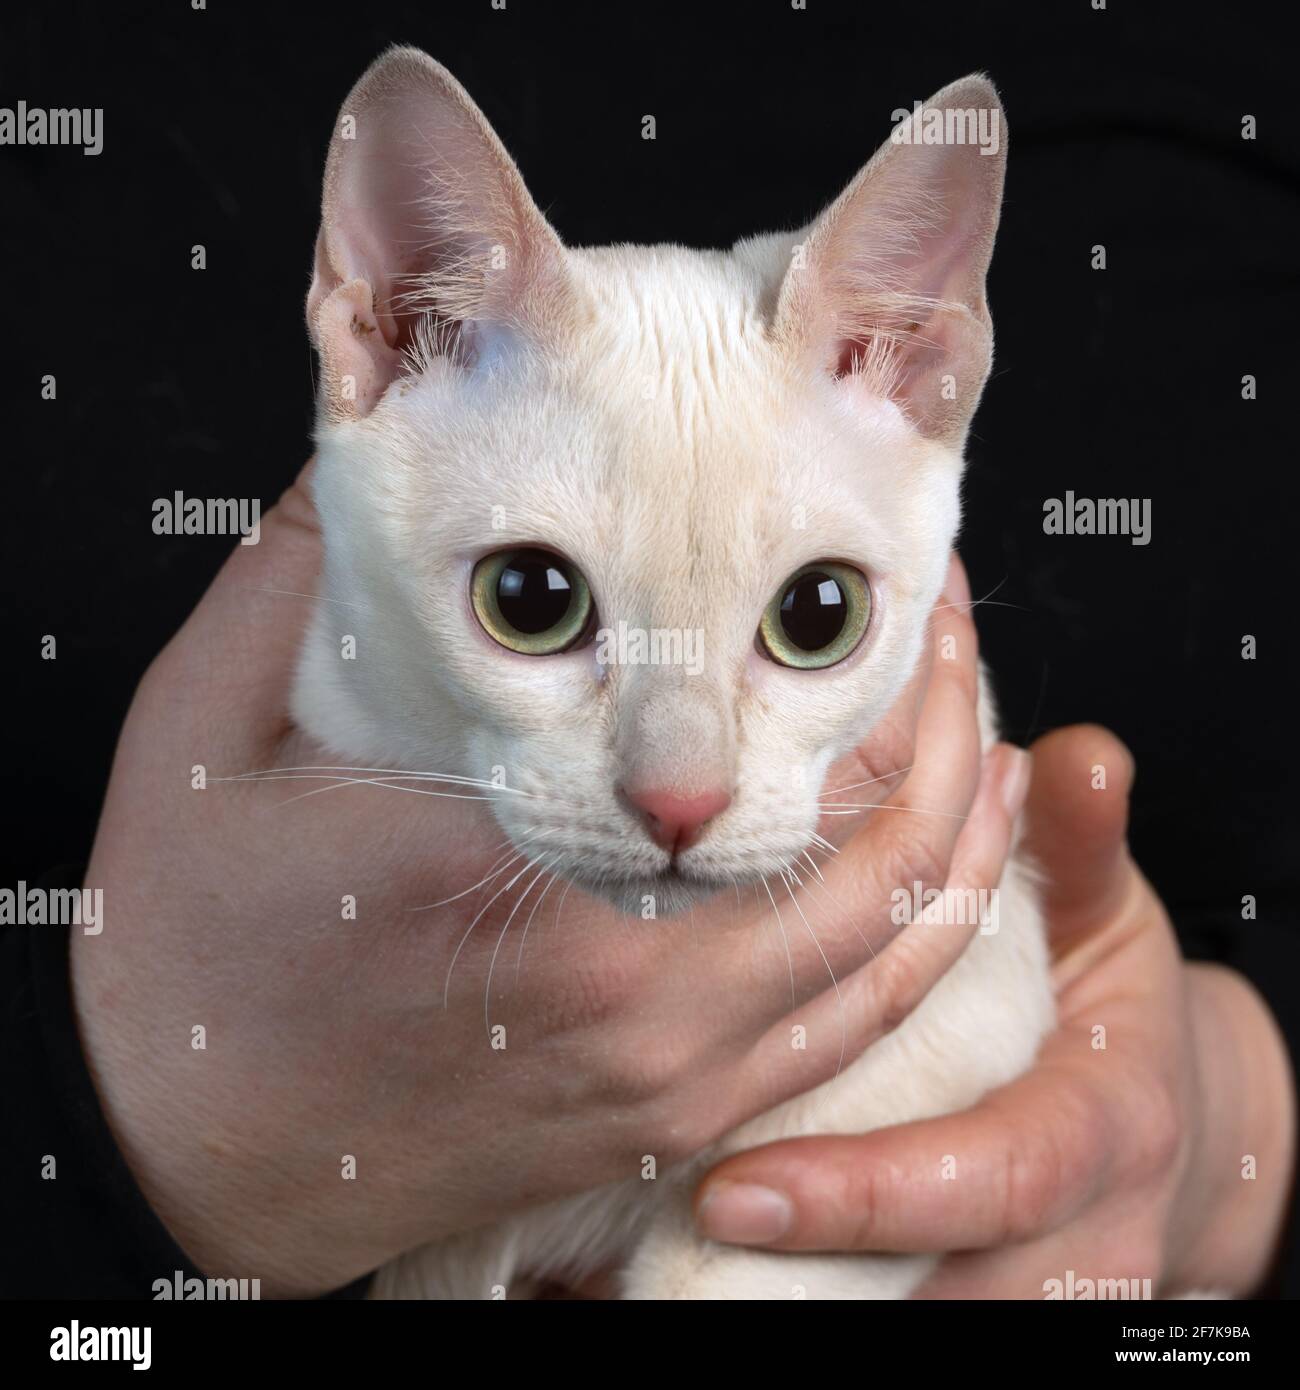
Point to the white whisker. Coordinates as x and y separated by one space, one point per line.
871 781
293 593
913 810
812 864
320 773
823 887
492 964
519 959
446 991
789 958
383 783
844 1033
559 907
493 872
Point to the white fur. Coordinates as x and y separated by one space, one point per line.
662 438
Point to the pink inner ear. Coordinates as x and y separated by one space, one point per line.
420 203
890 293
357 364
893 297
889 356
851 358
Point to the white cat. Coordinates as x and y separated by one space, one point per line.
521 442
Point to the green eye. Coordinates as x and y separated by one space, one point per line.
531 601
818 616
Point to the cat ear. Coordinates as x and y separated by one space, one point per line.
886 289
429 239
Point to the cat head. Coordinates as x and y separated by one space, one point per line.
643 537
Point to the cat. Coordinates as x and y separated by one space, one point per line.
651 421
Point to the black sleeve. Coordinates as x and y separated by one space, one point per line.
73 1222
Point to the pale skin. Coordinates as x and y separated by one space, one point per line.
327 1036
1131 1160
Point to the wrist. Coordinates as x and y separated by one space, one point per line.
1239 1189
214 1174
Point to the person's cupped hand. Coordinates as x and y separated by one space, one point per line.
1152 1141
284 907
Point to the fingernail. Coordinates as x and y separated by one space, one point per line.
1015 780
741 1213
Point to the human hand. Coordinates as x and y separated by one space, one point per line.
1165 1154
327 1036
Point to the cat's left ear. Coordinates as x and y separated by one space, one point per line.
885 290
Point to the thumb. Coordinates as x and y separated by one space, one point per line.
1030 1154
1076 816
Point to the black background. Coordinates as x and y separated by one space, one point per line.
1125 131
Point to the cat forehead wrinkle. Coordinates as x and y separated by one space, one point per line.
681 278
672 322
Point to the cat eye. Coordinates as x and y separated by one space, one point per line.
531 601
817 617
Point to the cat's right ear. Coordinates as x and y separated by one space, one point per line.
428 238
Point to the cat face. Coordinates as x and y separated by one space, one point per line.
644 537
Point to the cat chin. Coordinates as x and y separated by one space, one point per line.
657 896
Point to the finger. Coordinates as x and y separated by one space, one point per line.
887 990
851 1014
878 765
1075 818
843 913
890 749
1020 1163
956 642
1122 1241
826 920
945 771
910 835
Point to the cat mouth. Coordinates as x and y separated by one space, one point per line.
665 893
675 875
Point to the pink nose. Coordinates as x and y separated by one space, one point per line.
676 822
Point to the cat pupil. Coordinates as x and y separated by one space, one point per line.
813 611
533 593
